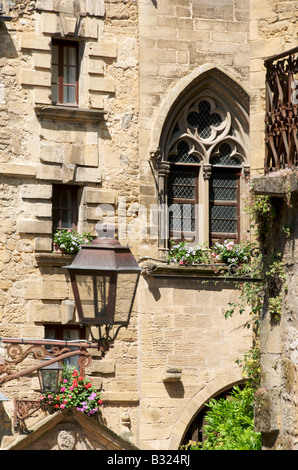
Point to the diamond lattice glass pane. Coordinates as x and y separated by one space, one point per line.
182 217
224 157
181 185
182 155
223 187
203 119
223 219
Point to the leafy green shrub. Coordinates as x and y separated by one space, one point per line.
230 423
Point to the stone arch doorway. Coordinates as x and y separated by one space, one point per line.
221 384
195 431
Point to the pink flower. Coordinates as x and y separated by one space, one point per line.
71 388
62 406
230 246
62 389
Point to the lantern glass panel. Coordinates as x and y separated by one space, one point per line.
49 379
126 286
94 292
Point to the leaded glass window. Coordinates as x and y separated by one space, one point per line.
204 147
224 196
182 199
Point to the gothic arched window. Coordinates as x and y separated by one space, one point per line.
204 151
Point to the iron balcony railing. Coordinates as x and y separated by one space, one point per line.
281 121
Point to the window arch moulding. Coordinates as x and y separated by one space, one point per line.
206 127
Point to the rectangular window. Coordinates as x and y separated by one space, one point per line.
65 72
66 333
223 205
65 207
182 201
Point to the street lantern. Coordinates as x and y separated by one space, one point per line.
50 377
104 277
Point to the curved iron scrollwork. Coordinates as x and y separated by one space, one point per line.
44 351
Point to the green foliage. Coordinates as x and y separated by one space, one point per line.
69 241
230 423
251 369
75 391
229 252
186 254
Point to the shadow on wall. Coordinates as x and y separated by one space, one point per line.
156 284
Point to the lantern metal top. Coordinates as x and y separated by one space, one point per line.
105 253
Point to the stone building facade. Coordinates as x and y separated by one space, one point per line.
138 72
274 32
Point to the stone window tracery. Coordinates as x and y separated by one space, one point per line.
202 157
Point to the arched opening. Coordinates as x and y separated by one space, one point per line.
204 150
195 430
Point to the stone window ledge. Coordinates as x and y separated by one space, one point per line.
279 184
69 113
53 259
164 270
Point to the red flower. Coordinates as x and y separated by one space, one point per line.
88 385
75 373
75 383
81 378
56 406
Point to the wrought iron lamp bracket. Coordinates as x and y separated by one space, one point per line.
56 351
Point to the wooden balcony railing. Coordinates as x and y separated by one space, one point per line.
281 121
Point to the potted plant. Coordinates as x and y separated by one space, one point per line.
184 253
75 391
67 240
230 253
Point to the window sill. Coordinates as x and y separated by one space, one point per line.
53 259
159 269
208 272
69 113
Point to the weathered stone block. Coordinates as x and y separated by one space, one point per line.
50 23
49 172
37 191
88 175
88 28
103 49
15 169
35 78
100 196
32 41
43 244
101 84
34 226
46 313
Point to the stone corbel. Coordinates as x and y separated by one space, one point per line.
207 170
155 158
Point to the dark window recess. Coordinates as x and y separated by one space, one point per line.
66 333
65 207
65 72
224 205
182 201
182 189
